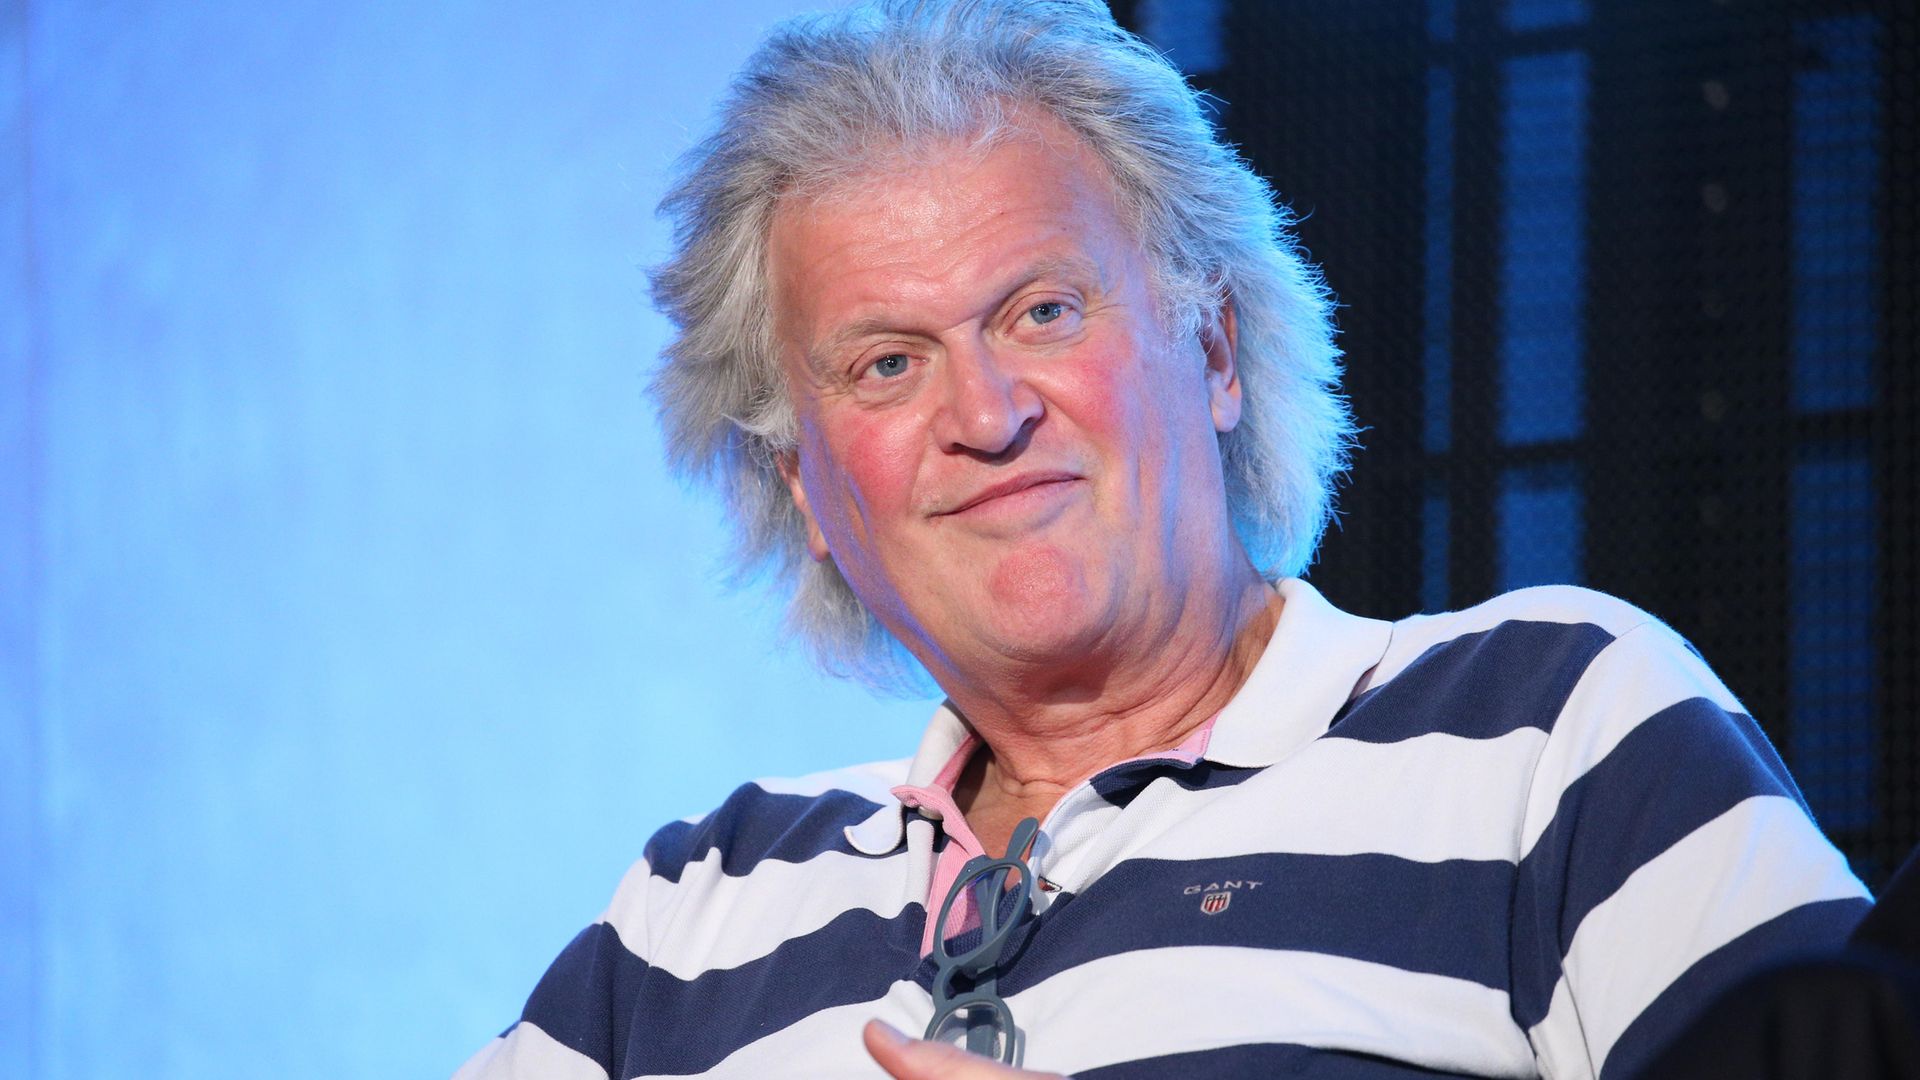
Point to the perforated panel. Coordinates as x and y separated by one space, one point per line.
1629 302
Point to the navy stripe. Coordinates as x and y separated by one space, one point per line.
753 825
1124 783
1478 686
1263 1059
1817 928
585 999
690 1025
1446 918
1678 770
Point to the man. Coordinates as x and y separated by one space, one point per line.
1010 365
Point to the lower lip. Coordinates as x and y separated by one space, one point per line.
1015 503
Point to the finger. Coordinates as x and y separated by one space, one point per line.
917 1059
897 1053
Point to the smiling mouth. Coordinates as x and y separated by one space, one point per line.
1016 486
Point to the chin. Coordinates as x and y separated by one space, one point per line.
1042 605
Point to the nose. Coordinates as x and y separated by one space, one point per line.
988 406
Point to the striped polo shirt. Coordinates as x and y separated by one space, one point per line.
1529 838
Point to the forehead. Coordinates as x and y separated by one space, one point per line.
922 230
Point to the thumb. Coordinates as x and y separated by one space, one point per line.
917 1059
905 1058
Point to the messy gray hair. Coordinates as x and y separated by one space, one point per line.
820 98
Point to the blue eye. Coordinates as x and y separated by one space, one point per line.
890 365
1047 312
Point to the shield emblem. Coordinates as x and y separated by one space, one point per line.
1215 902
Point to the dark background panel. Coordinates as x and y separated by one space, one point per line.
1628 301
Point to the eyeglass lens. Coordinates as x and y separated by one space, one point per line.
980 1013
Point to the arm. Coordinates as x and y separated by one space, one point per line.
573 1026
1666 854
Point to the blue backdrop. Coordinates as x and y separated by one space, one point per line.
352 638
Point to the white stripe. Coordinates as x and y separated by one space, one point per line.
527 1053
627 912
727 921
871 781
827 1043
1565 604
1633 678
1151 1002
1429 798
1760 859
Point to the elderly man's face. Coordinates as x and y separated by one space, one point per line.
1000 445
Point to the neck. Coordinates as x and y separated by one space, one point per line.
1043 737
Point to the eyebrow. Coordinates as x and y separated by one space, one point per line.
821 356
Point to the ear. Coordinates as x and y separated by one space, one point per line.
788 464
1220 338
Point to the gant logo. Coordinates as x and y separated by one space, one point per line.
1216 895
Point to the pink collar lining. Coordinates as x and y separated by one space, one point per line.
936 800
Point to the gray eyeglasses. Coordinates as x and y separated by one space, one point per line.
989 1023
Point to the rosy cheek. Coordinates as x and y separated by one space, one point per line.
876 456
1103 389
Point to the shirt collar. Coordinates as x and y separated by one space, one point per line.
883 830
1312 665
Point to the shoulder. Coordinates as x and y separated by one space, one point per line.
763 829
1516 660
784 819
1546 627
1553 612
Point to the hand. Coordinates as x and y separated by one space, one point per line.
916 1059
